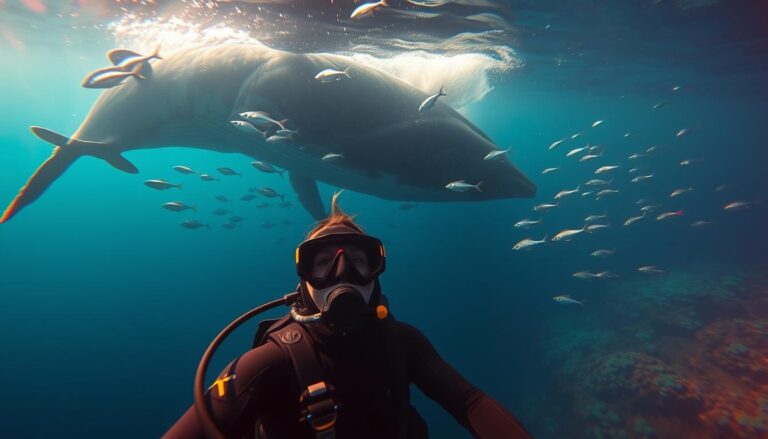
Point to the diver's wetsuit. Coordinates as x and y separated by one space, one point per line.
265 387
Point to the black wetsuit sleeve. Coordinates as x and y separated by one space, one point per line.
477 412
242 390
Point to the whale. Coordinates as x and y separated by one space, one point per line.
390 150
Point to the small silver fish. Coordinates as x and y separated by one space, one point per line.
652 149
640 178
603 169
689 162
228 171
367 9
584 194
206 177
575 151
566 299
277 139
682 132
109 77
634 170
463 186
332 75
602 253
605 192
596 182
544 207
194 224
222 198
649 208
585 275
160 184
291 134
184 170
332 156
220 212
592 227
591 218
649 269
566 192
266 167
244 126
574 136
248 197
528 243
270 193
739 205
678 192
556 143
496 154
525 223
568 234
597 123
590 157
667 215
262 120
700 223
633 219
548 170
637 156
431 101
178 206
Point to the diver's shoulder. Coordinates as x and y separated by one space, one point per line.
408 332
264 356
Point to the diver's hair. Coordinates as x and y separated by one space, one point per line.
337 218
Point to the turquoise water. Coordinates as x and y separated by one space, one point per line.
107 303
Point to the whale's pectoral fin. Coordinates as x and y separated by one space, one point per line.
119 162
309 196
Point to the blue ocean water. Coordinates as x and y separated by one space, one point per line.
108 304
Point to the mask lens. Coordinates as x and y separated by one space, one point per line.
319 259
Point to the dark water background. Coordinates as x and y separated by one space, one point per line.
106 304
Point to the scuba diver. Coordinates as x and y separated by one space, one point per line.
338 365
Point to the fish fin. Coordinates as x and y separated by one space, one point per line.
478 185
545 238
156 53
119 55
136 72
309 197
679 212
281 173
346 71
440 93
115 159
194 208
180 186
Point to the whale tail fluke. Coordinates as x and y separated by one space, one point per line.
66 151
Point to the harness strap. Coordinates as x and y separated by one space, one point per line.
318 406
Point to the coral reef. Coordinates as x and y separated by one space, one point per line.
679 355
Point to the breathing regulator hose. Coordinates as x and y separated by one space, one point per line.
212 431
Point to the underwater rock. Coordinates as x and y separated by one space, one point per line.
645 383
